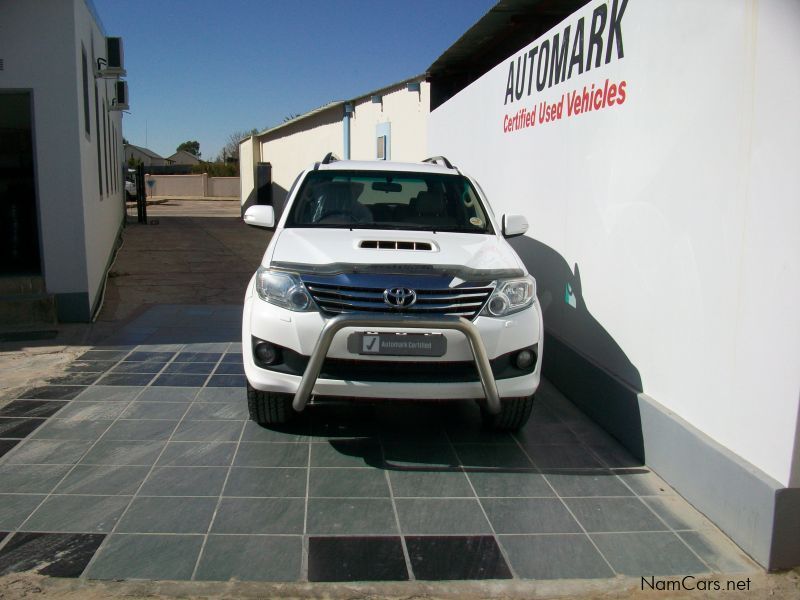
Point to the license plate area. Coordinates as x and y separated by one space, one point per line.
383 343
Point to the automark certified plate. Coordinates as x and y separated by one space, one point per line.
397 344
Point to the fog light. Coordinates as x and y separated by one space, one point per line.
524 359
266 353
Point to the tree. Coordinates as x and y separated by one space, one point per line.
230 151
192 147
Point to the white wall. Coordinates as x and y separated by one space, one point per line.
680 207
247 172
102 209
406 111
296 146
28 33
41 45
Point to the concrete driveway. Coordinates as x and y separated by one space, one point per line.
139 462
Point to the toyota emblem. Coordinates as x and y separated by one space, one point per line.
399 297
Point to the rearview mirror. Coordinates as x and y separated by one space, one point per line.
260 215
386 186
514 225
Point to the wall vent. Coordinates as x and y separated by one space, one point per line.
2 64
396 245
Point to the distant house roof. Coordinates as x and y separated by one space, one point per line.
336 103
182 157
144 151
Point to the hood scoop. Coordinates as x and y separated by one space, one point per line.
396 245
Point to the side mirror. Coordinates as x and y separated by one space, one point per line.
260 215
514 225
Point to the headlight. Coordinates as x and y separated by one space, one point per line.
283 289
510 296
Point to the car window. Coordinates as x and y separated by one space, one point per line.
389 200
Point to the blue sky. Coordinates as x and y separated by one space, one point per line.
203 69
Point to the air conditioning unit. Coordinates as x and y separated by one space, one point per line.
121 101
112 67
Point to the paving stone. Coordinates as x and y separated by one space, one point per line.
155 410
251 558
179 380
98 393
208 431
614 514
92 411
222 394
296 431
592 483
266 482
231 411
720 553
441 483
15 508
126 379
78 514
140 430
439 516
75 379
350 516
260 516
197 454
48 452
346 453
72 429
555 557
168 515
50 554
32 408
18 428
529 515
153 557
348 483
254 454
650 553
356 559
103 480
113 452
456 557
185 481
509 484
53 392
168 394
231 381
30 479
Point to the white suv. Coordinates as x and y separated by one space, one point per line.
393 281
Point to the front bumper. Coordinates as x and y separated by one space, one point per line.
339 322
317 337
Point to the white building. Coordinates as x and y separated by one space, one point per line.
653 147
388 123
60 151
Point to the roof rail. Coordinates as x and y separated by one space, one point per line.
329 158
439 160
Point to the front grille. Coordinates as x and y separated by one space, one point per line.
462 301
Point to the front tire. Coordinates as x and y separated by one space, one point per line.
514 413
269 408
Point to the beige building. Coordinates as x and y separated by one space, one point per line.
389 123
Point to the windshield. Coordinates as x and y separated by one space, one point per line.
388 200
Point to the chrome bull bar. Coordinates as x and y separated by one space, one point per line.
339 322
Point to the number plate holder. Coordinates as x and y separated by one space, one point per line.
369 343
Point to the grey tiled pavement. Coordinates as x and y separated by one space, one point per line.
149 454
